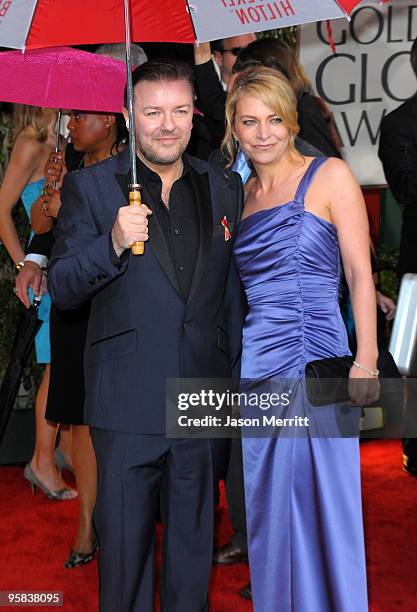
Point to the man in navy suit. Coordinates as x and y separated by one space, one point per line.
174 312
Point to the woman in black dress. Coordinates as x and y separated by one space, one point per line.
98 136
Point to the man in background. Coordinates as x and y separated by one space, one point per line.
398 153
212 75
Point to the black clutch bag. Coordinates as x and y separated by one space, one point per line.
327 379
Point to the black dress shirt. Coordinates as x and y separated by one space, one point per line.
179 221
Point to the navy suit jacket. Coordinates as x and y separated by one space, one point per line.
141 330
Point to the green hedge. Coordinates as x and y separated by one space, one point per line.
387 267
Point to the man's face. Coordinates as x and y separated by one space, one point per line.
163 120
231 47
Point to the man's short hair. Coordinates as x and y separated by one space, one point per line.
162 70
217 45
413 57
118 51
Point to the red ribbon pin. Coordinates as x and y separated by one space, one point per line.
227 234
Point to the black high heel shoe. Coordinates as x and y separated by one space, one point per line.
76 559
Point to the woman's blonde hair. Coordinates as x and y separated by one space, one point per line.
271 88
31 116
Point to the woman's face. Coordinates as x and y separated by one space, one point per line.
89 131
261 133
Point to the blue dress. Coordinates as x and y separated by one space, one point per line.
303 495
42 345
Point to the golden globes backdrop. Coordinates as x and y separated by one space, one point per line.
367 77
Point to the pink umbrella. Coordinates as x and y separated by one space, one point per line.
62 77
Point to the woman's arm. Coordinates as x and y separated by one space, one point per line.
22 165
348 213
40 219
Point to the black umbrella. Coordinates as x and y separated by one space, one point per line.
27 328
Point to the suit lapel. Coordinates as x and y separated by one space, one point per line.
123 180
156 240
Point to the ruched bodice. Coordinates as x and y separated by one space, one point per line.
288 260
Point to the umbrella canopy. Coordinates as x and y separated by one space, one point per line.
62 77
223 18
27 328
88 21
48 23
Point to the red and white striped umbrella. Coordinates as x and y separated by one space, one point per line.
33 24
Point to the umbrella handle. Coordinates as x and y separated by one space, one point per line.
138 248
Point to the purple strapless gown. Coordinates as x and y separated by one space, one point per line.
303 495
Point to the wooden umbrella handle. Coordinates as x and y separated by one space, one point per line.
138 248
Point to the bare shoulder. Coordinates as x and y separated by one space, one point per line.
344 193
337 170
338 183
27 146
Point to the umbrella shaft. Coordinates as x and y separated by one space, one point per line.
57 137
132 134
58 130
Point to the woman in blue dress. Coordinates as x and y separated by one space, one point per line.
34 141
303 496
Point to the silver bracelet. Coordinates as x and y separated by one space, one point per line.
361 367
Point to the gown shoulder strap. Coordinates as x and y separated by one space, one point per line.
308 176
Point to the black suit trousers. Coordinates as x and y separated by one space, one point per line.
135 474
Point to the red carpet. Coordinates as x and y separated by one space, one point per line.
36 534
